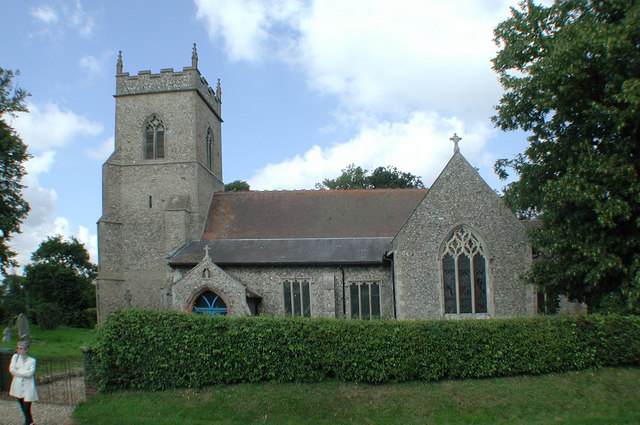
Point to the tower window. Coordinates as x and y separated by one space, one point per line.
464 274
209 148
154 139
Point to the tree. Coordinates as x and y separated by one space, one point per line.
571 74
62 274
354 177
13 152
236 186
13 297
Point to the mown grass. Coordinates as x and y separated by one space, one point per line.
57 344
602 396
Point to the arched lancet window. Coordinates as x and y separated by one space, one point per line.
209 148
464 272
206 273
210 303
154 138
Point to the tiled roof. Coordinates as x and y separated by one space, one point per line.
311 214
301 227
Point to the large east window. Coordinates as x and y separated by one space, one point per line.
297 297
464 272
154 138
365 300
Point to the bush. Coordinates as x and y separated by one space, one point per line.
48 316
158 350
81 319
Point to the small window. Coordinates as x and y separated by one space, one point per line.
365 300
297 298
210 303
209 148
154 139
464 274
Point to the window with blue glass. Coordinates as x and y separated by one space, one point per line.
464 274
210 303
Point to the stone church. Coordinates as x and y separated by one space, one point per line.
170 238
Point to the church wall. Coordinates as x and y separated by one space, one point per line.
460 197
326 284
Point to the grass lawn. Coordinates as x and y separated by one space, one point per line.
603 396
60 343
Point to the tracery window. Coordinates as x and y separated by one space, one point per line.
297 298
209 148
464 274
154 138
365 300
210 303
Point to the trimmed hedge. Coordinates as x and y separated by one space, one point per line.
157 350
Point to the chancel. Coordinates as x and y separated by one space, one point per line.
171 238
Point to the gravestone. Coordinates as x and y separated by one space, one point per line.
6 334
23 328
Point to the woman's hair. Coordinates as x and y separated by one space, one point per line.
24 345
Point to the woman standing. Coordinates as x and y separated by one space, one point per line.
23 386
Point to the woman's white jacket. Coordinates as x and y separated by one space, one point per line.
23 385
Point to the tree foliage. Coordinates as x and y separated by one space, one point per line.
13 297
61 274
237 186
354 177
13 152
571 74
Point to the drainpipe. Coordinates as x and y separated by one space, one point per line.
344 302
389 257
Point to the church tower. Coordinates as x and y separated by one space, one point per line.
158 183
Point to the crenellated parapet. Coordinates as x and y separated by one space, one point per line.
169 80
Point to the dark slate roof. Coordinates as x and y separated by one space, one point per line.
313 214
342 251
301 227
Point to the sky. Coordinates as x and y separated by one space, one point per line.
308 87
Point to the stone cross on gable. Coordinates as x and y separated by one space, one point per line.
455 139
206 252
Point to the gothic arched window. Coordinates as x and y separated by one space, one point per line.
210 303
464 273
154 138
209 148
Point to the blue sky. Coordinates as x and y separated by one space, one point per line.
308 87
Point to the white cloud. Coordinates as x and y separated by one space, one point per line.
251 28
91 64
82 21
419 68
101 152
43 129
58 17
419 145
48 126
44 14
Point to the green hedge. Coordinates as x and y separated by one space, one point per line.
157 350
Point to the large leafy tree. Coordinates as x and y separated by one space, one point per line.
354 177
13 152
571 74
237 186
61 274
